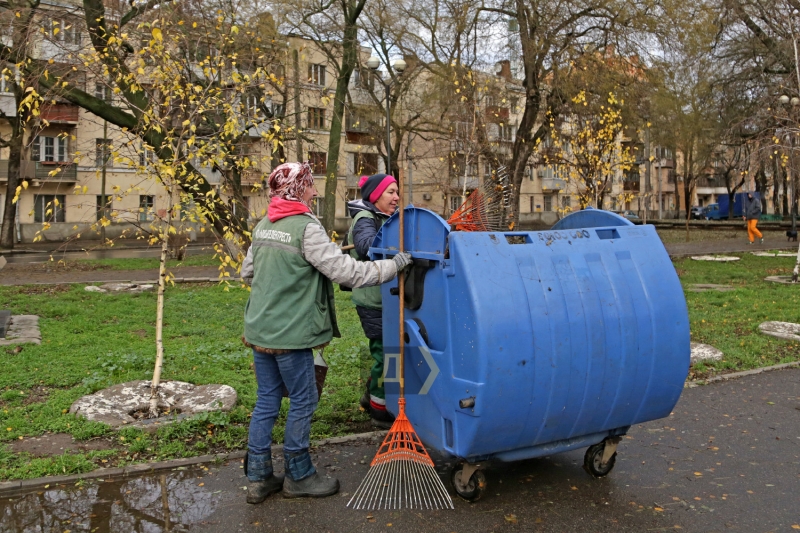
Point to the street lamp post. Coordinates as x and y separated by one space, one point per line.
399 66
785 100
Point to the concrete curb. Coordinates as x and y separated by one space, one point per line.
10 489
140 282
737 375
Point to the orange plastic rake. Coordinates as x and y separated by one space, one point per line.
484 207
402 474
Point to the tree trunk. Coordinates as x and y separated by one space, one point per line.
10 208
775 195
162 285
350 48
785 199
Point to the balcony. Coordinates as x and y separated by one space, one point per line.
631 185
67 172
711 181
553 184
40 171
8 106
60 113
250 178
366 139
472 183
496 113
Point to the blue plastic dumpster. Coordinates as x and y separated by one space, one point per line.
544 341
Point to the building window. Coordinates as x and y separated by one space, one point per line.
63 31
316 74
318 206
102 91
362 80
46 148
566 203
318 162
242 210
146 205
532 203
548 202
252 104
455 203
104 210
352 194
316 118
5 82
507 132
146 155
365 164
102 153
49 207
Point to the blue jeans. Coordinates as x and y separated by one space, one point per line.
295 370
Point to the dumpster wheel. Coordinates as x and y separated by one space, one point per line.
475 485
593 461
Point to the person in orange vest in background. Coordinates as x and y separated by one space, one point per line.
752 212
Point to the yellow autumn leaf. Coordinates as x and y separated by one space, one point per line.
157 34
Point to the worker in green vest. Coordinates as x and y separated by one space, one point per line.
291 265
378 202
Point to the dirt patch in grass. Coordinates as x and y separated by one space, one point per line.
37 394
141 333
57 443
778 271
45 289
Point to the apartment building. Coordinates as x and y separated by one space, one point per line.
68 166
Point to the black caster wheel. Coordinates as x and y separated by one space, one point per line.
471 489
592 461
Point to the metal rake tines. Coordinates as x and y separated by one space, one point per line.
401 484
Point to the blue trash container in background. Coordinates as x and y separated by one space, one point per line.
545 341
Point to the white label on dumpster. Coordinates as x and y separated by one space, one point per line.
428 359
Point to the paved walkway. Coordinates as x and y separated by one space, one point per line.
22 274
728 246
726 459
18 274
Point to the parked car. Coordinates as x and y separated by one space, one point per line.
697 212
631 215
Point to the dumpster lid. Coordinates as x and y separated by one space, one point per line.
591 218
425 235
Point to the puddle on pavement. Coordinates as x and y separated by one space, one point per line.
159 503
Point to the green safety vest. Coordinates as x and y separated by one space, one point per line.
291 304
369 297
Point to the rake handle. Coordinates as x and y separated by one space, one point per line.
401 285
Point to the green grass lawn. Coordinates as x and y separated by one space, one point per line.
729 320
95 340
92 341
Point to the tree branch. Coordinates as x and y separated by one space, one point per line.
139 10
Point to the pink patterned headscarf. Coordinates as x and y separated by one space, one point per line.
290 180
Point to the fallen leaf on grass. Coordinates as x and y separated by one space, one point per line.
795 526
511 518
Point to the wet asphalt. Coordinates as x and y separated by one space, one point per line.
727 459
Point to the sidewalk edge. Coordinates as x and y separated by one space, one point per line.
18 487
737 375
